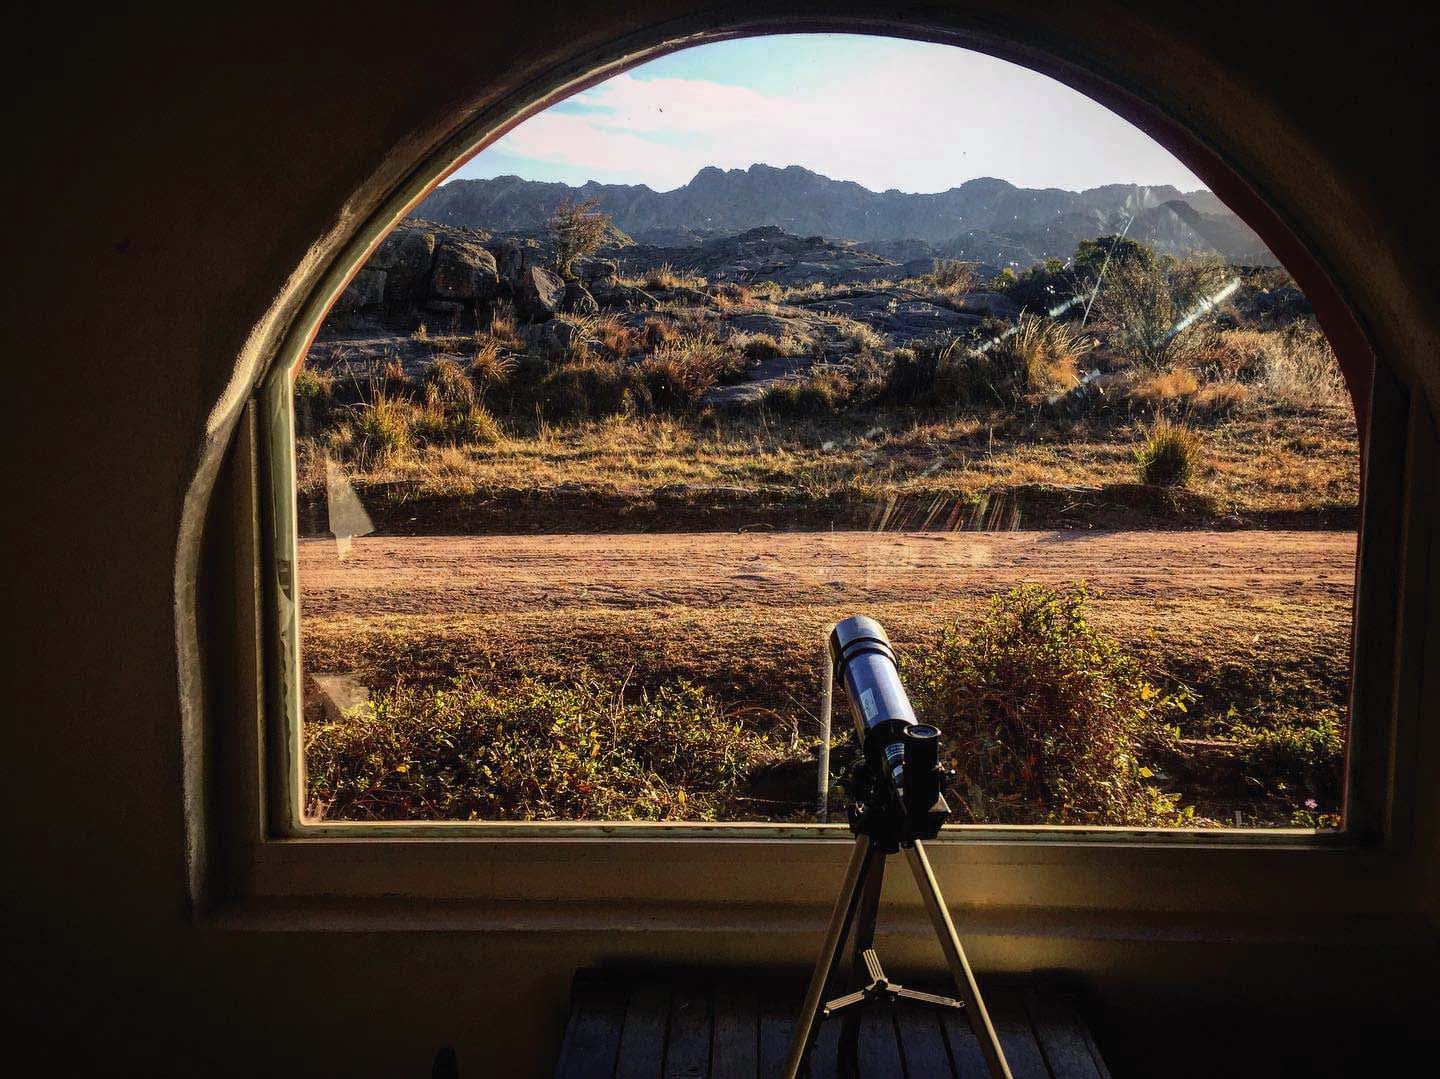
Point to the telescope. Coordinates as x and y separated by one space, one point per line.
901 753
897 802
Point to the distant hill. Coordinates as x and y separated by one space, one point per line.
984 220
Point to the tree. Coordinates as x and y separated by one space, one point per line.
578 230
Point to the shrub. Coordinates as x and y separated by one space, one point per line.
825 391
1305 757
431 425
490 367
505 326
931 372
1036 361
1300 370
1045 717
1032 362
764 346
590 389
447 383
1168 454
656 333
1106 253
665 278
586 336
476 424
858 335
537 751
731 295
1041 288
1148 303
1160 389
1220 398
382 427
578 230
946 283
678 375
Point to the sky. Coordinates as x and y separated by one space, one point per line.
883 112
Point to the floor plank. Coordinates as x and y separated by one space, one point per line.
777 1020
1012 1024
642 1043
1062 1037
735 1045
687 1045
683 1025
965 1055
879 1050
592 1037
922 1043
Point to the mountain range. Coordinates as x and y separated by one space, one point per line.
984 220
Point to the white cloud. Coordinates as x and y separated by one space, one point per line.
924 119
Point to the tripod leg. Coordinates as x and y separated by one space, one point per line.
862 863
862 937
960 970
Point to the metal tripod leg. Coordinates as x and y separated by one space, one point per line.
862 939
863 861
960 970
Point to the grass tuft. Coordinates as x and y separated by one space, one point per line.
1168 455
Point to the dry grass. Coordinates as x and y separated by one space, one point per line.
1254 463
665 278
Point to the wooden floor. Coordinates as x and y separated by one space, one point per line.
673 1026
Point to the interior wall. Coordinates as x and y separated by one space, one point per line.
167 177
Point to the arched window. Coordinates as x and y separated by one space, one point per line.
582 471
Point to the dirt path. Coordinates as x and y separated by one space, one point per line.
468 575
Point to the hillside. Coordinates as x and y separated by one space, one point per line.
983 220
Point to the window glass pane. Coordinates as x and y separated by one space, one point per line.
601 440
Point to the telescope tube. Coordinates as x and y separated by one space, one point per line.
865 665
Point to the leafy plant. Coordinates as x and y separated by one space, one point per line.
536 751
1046 718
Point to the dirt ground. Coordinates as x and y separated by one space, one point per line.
511 575
746 614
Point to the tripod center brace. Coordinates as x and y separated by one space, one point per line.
897 804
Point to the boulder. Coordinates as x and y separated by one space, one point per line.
539 294
615 294
463 270
513 257
596 269
366 290
405 257
578 300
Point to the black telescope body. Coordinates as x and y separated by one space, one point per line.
897 747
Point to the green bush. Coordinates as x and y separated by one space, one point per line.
1306 758
1168 455
1045 717
1041 288
536 751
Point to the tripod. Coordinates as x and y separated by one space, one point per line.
856 907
